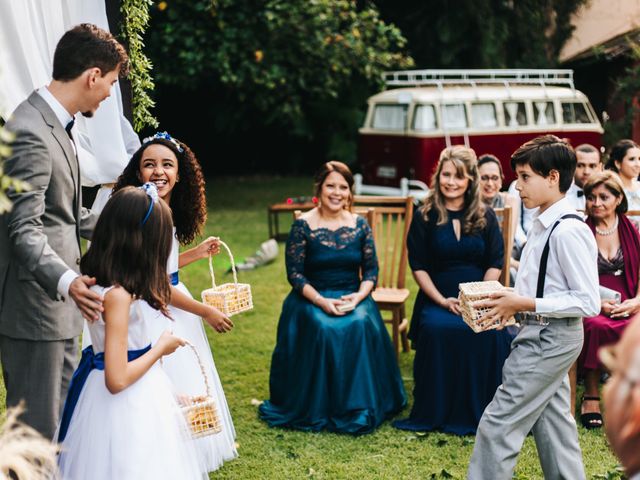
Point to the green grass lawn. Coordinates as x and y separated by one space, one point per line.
237 209
238 214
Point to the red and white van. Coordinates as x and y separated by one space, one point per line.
491 111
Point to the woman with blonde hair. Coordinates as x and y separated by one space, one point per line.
454 238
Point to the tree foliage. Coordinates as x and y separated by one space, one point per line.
483 33
273 56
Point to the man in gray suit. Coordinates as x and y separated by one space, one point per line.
42 296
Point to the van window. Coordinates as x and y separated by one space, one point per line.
544 113
574 112
424 118
390 117
454 116
515 114
483 115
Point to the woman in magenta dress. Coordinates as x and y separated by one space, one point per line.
618 266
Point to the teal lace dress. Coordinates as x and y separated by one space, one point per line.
337 373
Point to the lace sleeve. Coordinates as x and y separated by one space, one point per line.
369 257
295 255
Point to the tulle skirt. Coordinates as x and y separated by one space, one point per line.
185 375
137 434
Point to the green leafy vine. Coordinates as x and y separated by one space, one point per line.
135 18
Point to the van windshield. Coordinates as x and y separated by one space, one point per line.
390 117
574 112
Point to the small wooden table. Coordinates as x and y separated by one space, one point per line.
283 207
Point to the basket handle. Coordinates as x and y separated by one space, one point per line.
233 266
204 374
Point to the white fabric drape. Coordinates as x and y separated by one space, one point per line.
390 117
484 115
29 32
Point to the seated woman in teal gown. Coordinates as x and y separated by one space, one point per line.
332 369
453 239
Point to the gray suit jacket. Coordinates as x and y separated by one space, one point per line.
40 236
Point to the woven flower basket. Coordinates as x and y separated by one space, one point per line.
472 292
201 412
229 298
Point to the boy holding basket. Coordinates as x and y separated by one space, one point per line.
557 284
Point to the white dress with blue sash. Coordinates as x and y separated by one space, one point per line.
185 375
138 433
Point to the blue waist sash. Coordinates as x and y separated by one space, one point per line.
88 362
174 278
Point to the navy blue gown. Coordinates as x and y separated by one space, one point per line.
337 373
456 371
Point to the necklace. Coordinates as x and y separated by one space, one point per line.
610 231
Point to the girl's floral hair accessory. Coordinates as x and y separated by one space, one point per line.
164 136
152 192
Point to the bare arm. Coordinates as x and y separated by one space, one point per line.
492 274
119 372
423 279
210 246
214 317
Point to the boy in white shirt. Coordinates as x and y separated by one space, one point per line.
552 292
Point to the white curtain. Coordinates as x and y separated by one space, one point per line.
425 118
390 117
453 116
29 32
484 115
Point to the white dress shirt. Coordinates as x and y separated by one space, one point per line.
575 195
571 284
64 118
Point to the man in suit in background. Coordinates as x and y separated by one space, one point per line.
42 296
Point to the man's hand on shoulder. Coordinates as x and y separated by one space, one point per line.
88 301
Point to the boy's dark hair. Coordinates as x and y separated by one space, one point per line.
188 198
88 46
126 252
546 153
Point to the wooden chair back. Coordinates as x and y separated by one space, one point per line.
504 219
632 213
392 218
367 212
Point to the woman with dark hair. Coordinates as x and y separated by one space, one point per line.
333 366
491 178
121 418
624 159
173 168
454 238
618 267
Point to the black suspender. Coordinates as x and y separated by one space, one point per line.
542 272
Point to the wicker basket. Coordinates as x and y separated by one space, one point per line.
201 412
472 292
229 298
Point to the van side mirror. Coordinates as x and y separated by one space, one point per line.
605 117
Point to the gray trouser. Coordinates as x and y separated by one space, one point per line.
534 396
39 373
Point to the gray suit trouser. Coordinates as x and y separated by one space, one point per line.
534 396
39 373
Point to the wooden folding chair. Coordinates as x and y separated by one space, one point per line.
504 219
392 220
